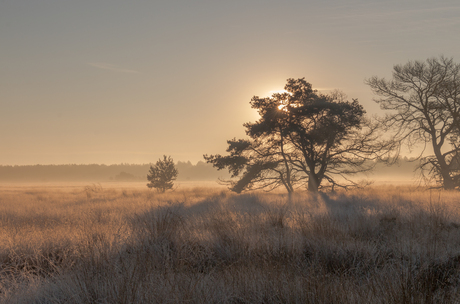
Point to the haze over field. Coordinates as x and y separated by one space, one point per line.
404 171
126 82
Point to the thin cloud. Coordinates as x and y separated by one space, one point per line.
111 67
382 13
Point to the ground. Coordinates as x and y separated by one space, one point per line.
124 243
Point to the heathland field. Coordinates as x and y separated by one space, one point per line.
97 244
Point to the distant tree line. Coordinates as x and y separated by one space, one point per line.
138 172
96 172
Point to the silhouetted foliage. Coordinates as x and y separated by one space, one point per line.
301 139
162 174
424 97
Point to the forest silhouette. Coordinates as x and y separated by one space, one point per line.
201 171
100 173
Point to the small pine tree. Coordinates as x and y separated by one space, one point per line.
162 174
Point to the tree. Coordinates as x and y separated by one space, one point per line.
162 174
264 165
301 139
424 97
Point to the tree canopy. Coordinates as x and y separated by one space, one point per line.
301 139
424 100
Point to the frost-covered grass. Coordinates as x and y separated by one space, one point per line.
202 245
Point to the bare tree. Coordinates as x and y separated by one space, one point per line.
424 97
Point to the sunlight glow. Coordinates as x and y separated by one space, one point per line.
277 92
281 106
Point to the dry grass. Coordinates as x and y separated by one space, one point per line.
97 245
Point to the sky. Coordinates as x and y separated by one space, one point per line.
112 81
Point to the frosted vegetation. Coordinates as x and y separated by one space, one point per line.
204 245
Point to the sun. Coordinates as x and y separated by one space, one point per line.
282 91
282 107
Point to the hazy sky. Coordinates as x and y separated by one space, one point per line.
112 81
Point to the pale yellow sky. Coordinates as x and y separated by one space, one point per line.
128 81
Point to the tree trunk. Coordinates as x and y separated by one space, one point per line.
447 180
289 198
444 170
313 183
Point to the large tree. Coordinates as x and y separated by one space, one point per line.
424 100
301 139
